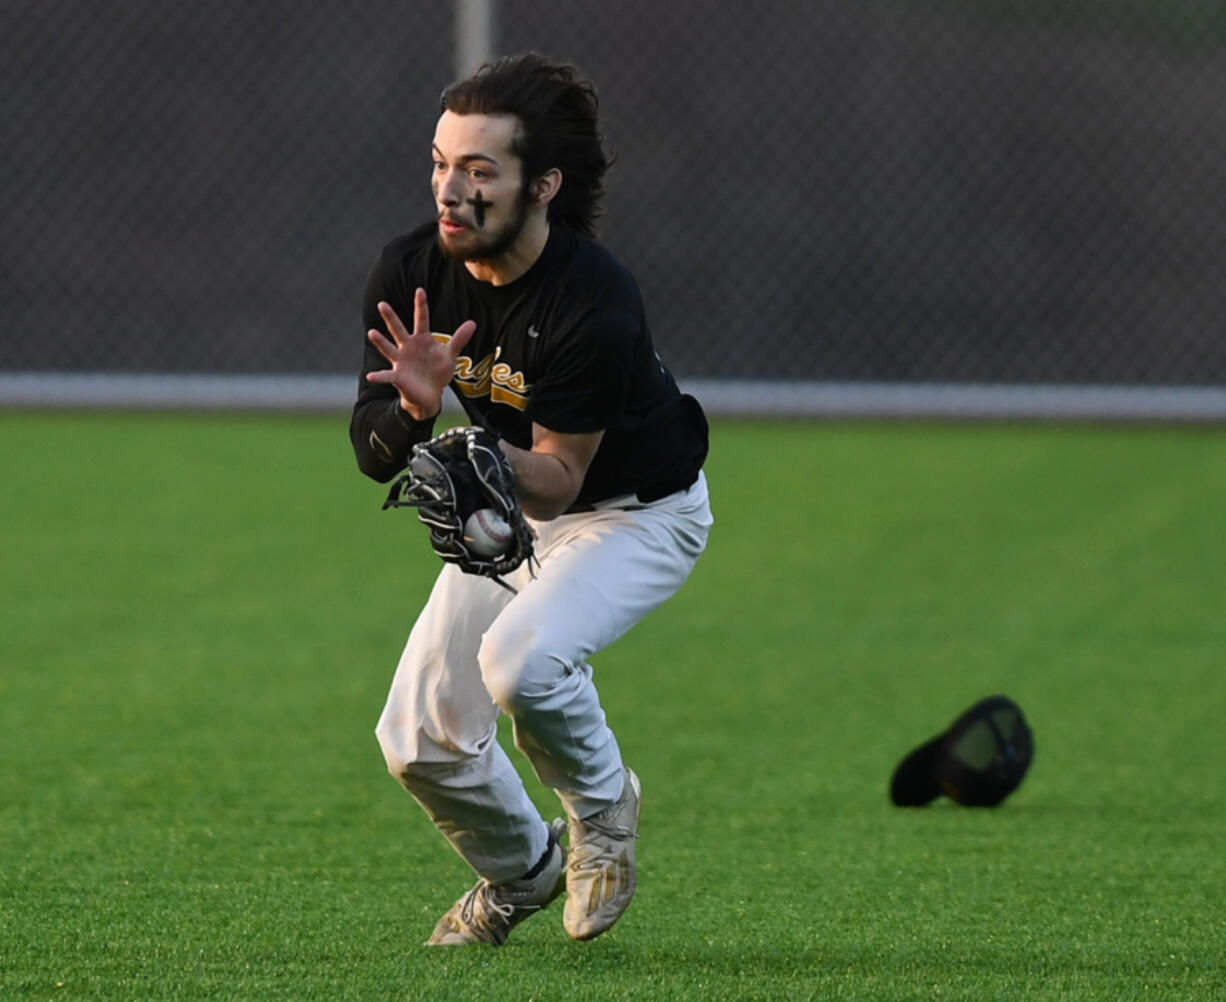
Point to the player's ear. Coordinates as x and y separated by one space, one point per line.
544 188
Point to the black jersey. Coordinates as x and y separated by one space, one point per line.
566 345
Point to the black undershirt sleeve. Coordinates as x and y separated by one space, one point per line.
381 432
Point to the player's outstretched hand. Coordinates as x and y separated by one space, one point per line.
421 367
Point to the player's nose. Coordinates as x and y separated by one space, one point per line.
448 191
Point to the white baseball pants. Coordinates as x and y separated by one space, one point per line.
477 650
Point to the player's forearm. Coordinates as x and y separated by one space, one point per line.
545 484
383 435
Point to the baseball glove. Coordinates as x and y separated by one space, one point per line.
450 477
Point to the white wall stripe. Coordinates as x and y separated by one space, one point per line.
749 398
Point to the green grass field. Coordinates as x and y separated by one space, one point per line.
200 615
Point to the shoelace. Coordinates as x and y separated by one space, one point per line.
482 918
480 905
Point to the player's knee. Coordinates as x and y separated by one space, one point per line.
400 753
393 751
514 668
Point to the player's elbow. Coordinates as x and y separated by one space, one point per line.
377 467
376 471
375 463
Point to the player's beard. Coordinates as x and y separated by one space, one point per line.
493 245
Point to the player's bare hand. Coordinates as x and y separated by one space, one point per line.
421 367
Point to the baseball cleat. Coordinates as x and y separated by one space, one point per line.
488 912
601 875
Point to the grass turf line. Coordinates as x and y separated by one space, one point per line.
202 614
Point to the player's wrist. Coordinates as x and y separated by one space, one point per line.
414 418
415 413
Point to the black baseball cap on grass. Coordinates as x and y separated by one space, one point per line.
977 762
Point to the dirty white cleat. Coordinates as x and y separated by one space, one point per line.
601 875
488 912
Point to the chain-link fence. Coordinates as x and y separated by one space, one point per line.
954 191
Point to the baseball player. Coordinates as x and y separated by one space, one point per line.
540 332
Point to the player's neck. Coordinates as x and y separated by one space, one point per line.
518 259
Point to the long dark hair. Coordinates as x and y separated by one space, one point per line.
559 114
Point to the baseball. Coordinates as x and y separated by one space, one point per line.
487 533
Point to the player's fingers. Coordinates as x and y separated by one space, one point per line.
421 313
384 346
394 325
460 338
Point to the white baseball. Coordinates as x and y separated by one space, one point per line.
487 533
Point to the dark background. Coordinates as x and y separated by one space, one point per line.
952 191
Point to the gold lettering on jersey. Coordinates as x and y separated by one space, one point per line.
473 378
489 378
